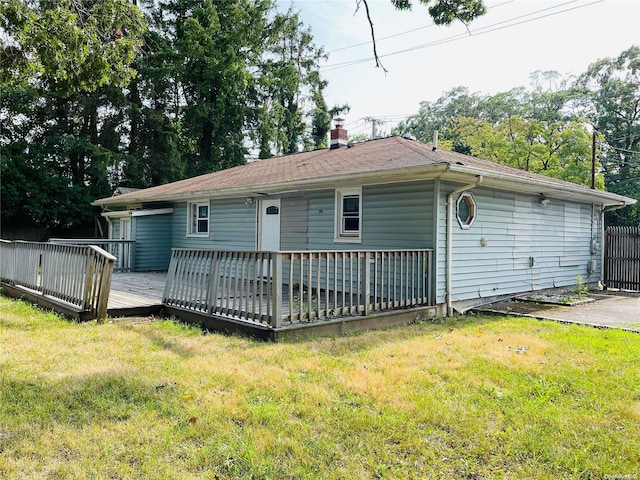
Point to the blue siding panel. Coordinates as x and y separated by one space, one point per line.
232 226
294 223
394 216
153 235
516 227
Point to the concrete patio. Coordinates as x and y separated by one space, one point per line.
608 310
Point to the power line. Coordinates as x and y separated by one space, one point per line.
378 40
465 35
622 149
622 180
480 31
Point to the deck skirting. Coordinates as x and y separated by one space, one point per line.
49 303
338 327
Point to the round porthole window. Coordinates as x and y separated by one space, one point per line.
466 210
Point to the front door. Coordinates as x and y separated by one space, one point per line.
269 225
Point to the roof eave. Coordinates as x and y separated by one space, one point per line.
451 172
568 191
344 180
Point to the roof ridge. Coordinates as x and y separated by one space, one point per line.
409 144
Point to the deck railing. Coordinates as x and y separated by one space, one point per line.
122 250
76 275
285 288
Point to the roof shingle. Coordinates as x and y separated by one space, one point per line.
382 155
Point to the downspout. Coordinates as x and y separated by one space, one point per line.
449 232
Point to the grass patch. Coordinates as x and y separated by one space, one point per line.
478 397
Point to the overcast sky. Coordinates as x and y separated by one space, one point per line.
498 52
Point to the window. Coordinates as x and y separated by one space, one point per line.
466 210
348 214
198 219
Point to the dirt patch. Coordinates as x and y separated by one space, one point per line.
134 320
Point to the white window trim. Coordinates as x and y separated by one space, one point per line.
198 204
473 210
339 235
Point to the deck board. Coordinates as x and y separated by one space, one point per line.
139 292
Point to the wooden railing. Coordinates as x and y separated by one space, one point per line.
76 275
122 250
285 288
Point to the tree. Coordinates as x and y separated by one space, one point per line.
219 44
443 12
71 45
612 98
533 130
145 97
286 64
442 114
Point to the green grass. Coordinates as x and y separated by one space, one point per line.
474 398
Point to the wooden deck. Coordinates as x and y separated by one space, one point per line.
140 294
136 293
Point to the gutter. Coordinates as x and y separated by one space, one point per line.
449 233
538 184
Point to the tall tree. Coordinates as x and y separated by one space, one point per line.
533 130
136 106
220 45
612 90
289 82
70 45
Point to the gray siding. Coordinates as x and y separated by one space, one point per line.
394 216
152 234
398 216
232 226
516 229
294 223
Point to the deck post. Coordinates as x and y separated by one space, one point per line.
276 290
105 288
366 280
429 273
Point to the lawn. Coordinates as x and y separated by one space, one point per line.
467 398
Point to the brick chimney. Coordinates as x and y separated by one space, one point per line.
338 134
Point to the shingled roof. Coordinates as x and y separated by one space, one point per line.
388 159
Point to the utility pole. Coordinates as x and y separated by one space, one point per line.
374 123
593 159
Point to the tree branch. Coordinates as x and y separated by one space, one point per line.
373 36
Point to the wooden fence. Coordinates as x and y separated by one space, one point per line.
622 258
77 278
285 288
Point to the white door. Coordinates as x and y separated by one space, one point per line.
125 248
269 230
269 225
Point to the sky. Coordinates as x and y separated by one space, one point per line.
498 52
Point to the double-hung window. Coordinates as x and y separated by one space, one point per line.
348 215
198 219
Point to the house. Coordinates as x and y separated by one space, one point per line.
491 230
